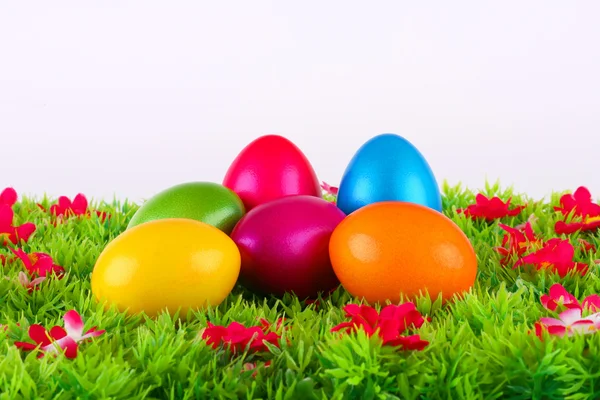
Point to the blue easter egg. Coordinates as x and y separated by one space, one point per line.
388 168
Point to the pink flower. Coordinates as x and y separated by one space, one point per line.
8 197
490 209
558 295
58 338
40 264
570 322
389 324
10 233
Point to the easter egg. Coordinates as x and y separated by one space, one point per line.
206 202
284 246
166 264
391 248
388 168
269 168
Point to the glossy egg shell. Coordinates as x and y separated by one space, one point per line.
164 265
206 202
269 168
387 249
284 246
388 168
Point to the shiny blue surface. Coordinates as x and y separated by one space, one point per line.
388 167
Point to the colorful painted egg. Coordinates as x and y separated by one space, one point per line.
387 249
166 264
388 167
269 168
206 202
284 246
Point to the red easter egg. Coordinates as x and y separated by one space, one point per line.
284 246
269 168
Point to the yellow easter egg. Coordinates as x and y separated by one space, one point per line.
166 264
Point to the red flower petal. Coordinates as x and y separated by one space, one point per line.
70 347
557 330
214 334
64 203
93 332
363 315
539 329
8 196
413 342
80 204
490 209
344 325
38 334
56 332
562 227
6 218
23 257
592 302
24 231
26 346
558 294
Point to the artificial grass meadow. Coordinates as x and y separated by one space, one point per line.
480 345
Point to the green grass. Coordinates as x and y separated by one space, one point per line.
479 348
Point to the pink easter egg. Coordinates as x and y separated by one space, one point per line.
269 168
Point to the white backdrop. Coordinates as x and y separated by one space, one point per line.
127 98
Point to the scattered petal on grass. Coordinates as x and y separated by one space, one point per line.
8 197
389 324
556 255
10 233
490 209
58 339
237 338
569 322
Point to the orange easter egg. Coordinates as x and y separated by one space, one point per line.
388 249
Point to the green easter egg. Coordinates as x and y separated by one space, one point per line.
207 202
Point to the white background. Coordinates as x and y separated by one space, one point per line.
128 98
